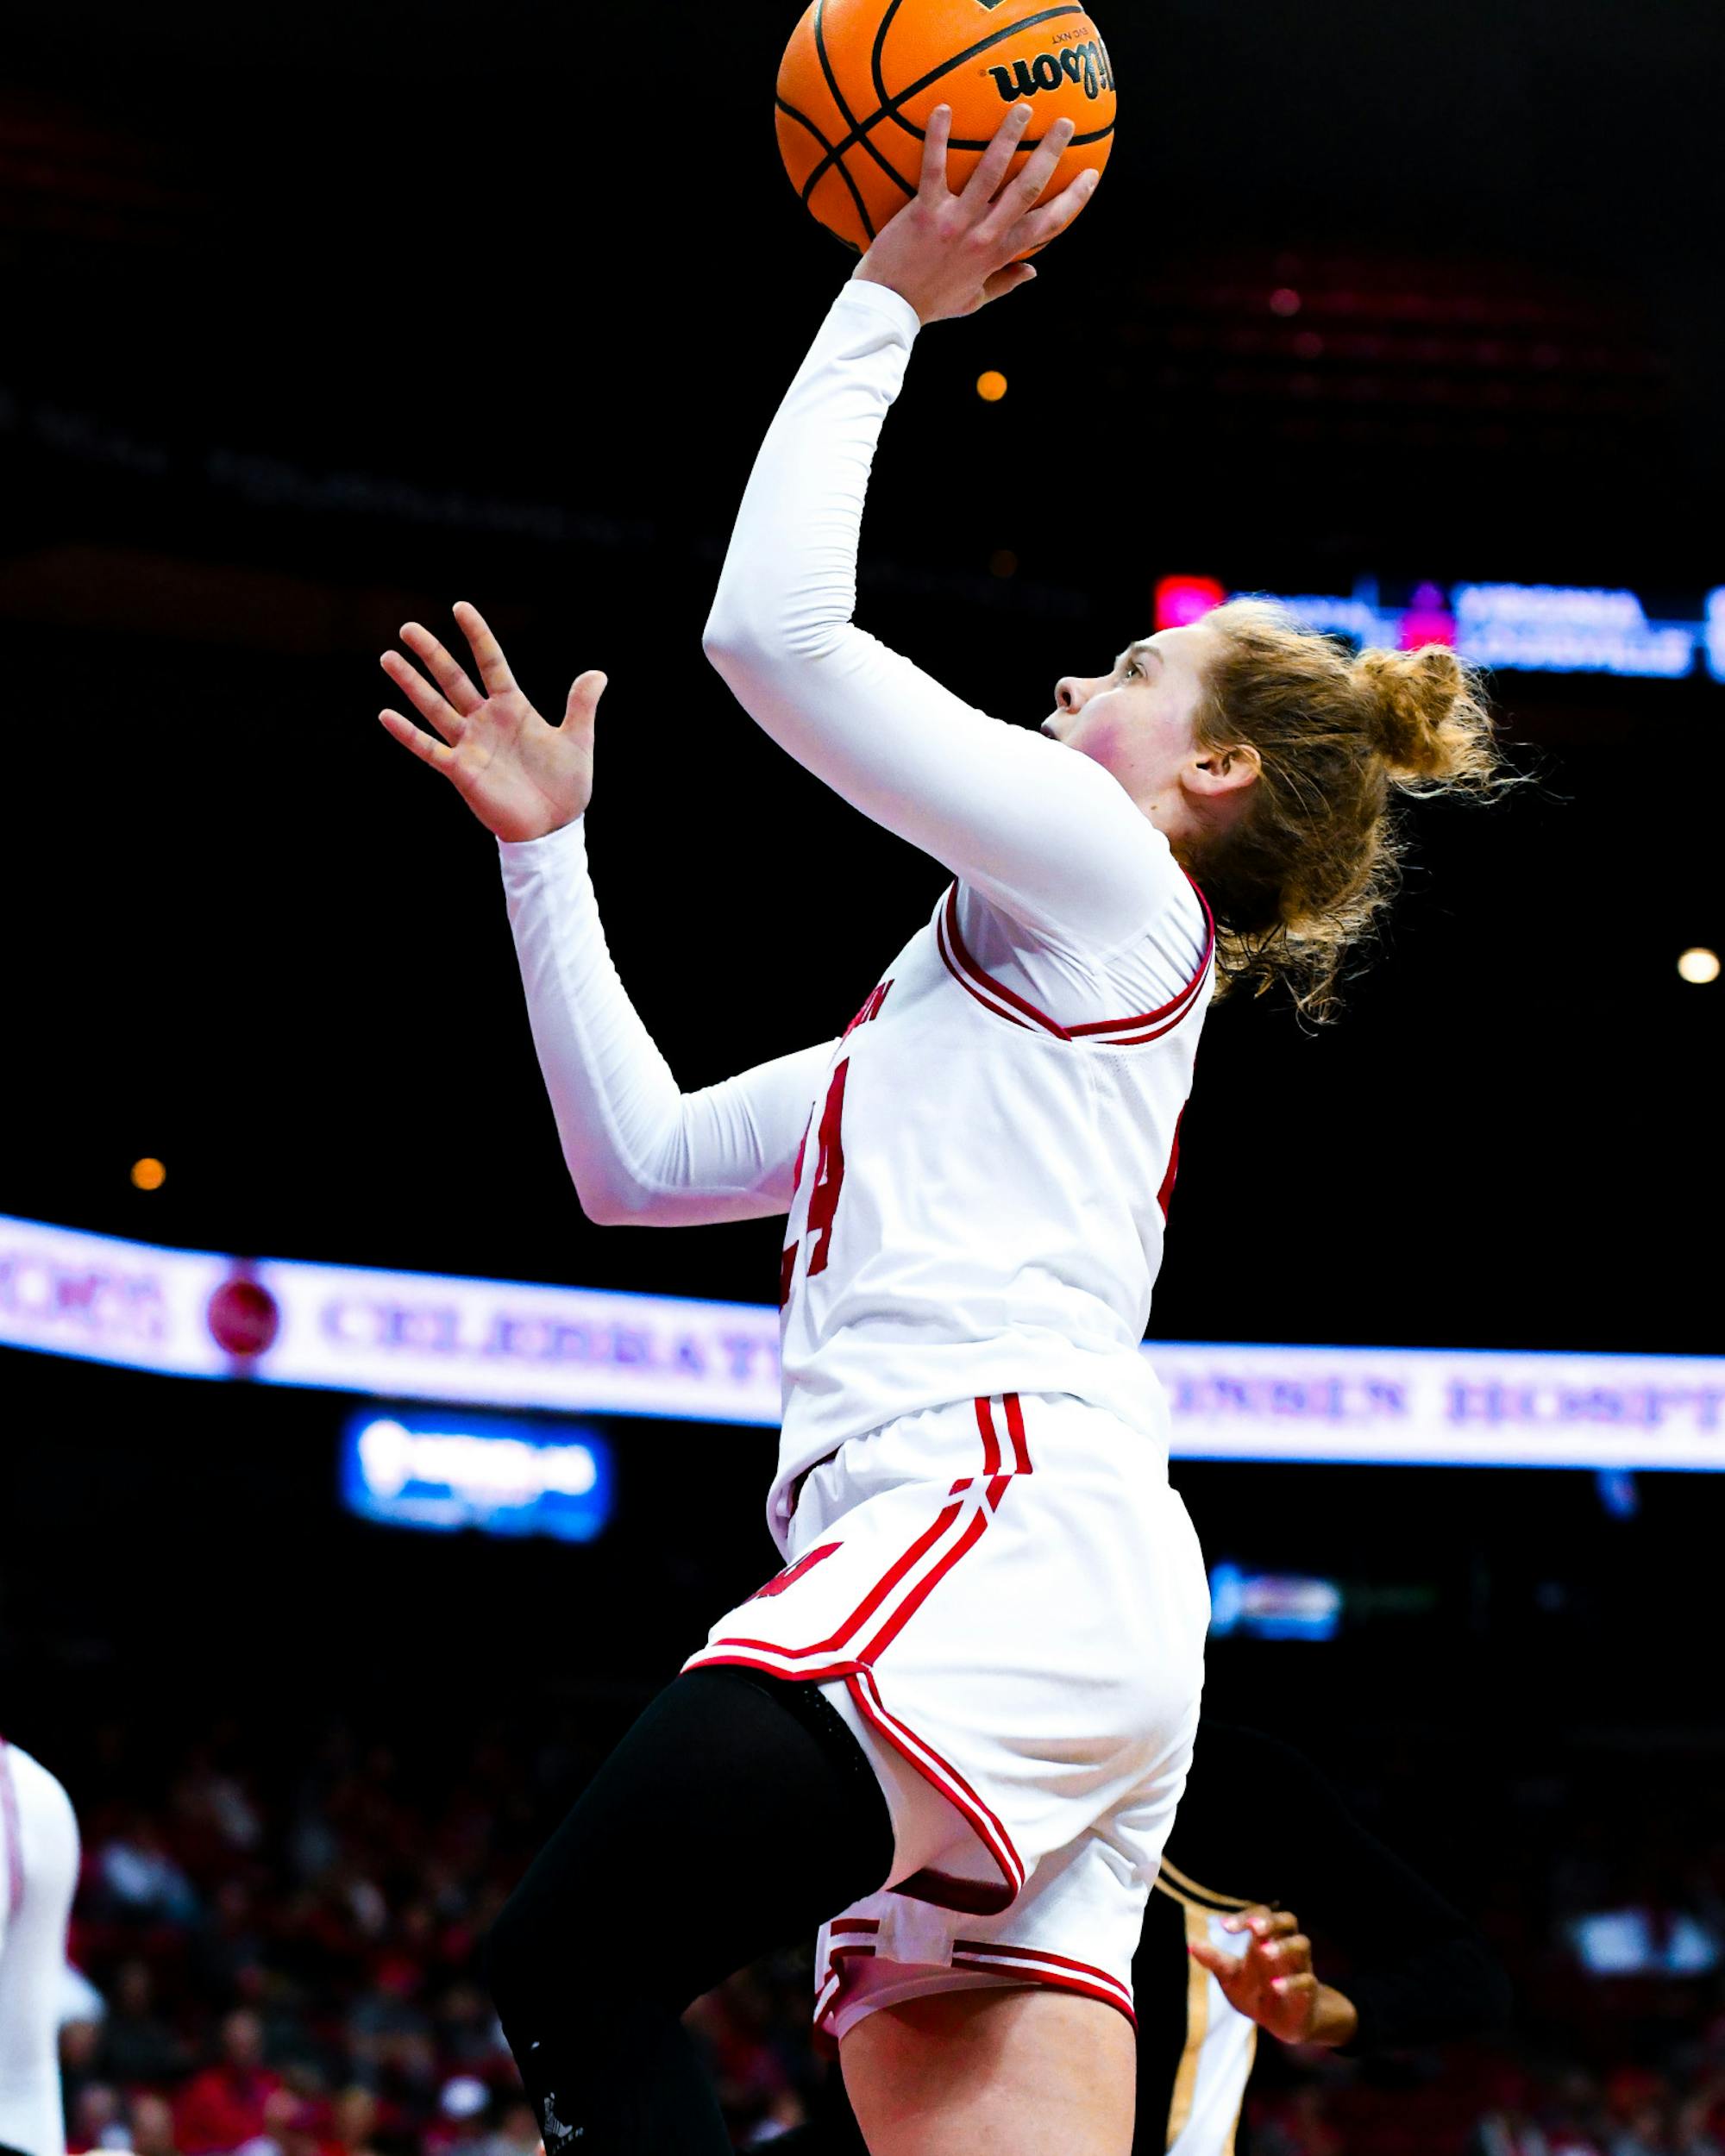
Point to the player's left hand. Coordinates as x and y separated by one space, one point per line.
950 254
1272 1982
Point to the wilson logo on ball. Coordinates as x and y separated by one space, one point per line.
1084 64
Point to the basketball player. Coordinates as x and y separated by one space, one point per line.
38 1873
957 1724
1214 1967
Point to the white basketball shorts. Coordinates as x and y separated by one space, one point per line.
1005 1599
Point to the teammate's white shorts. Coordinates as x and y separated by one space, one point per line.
37 1872
1005 1599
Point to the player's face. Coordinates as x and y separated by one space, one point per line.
1138 720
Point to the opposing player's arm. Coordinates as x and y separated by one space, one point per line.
639 1150
1269 1979
1039 829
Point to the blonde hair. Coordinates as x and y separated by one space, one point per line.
1303 873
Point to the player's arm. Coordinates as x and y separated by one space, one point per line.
1045 832
639 1150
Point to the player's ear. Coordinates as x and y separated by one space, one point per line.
1210 772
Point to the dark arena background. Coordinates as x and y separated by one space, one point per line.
319 319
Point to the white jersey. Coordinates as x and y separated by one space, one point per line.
973 1173
980 1203
38 1873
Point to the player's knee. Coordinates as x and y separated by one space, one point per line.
539 1958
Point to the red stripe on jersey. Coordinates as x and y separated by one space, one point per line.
1176 1005
952 965
963 968
1190 999
1181 1004
1167 1189
986 980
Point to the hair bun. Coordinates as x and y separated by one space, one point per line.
1431 724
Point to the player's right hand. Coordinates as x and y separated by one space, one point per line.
521 778
949 254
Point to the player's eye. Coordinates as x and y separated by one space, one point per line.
1130 668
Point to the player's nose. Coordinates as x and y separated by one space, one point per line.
1070 692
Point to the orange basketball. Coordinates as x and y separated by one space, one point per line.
861 77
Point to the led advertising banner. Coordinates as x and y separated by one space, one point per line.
108 1301
1420 1406
508 1344
1523 628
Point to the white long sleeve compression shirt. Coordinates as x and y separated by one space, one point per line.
639 1150
1042 836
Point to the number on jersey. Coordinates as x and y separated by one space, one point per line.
828 1183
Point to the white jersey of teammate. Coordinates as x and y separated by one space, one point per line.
38 1873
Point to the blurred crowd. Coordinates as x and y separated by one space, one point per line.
276 1951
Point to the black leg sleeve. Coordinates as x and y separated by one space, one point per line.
737 1815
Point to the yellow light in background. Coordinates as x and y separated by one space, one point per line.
148 1174
991 386
1699 965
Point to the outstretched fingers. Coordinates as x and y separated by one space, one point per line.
416 739
1020 194
995 162
1049 221
1006 280
933 187
425 699
462 695
488 652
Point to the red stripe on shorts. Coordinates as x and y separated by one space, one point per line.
857 1668
1098 1985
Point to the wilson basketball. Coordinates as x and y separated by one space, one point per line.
861 77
